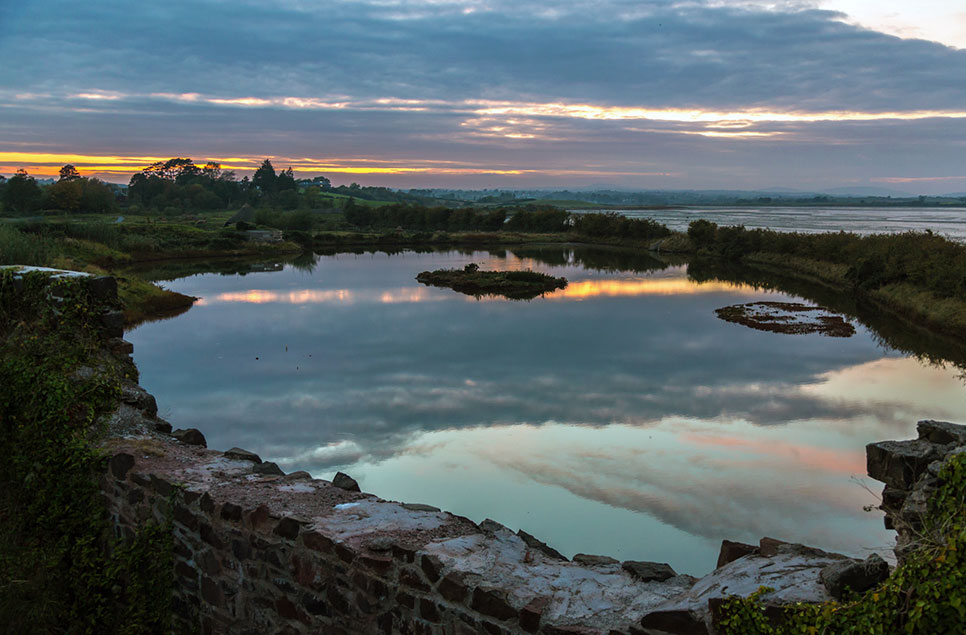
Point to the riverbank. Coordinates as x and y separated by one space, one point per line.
917 277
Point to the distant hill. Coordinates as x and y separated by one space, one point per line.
867 191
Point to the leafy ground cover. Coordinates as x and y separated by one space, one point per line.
61 571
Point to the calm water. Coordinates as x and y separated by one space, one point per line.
618 416
950 222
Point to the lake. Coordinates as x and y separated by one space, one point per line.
947 221
618 416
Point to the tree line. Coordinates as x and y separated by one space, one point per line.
21 194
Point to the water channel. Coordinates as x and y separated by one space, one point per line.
618 416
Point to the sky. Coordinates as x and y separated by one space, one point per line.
645 94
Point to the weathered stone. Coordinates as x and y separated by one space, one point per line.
210 536
431 566
768 547
191 436
186 518
855 575
344 553
452 587
288 527
409 578
300 475
138 397
232 512
899 463
649 571
162 426
317 542
120 347
539 545
315 606
532 613
379 564
211 593
289 611
589 560
185 570
336 600
941 432
677 622
241 549
405 599
428 610
914 508
490 526
112 323
892 499
731 551
120 464
260 518
208 563
404 552
239 454
379 543
267 468
206 503
103 289
161 486
345 482
419 507
492 602
491 629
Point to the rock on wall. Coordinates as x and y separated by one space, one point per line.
910 471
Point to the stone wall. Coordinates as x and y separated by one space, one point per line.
260 551
910 471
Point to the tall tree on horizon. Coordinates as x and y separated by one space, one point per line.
69 173
265 178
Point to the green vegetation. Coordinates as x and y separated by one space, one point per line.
515 285
918 274
925 594
95 246
59 569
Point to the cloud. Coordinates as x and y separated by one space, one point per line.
527 84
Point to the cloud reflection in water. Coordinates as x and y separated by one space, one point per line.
633 413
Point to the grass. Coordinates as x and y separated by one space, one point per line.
95 244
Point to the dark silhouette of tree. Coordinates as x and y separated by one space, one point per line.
69 173
285 180
265 178
179 169
21 194
322 182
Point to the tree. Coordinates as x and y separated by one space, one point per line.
69 173
97 197
323 182
21 193
264 178
285 180
178 169
64 195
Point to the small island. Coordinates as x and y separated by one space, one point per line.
514 285
792 318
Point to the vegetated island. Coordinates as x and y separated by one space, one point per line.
792 318
515 285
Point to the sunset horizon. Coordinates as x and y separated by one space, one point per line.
488 94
